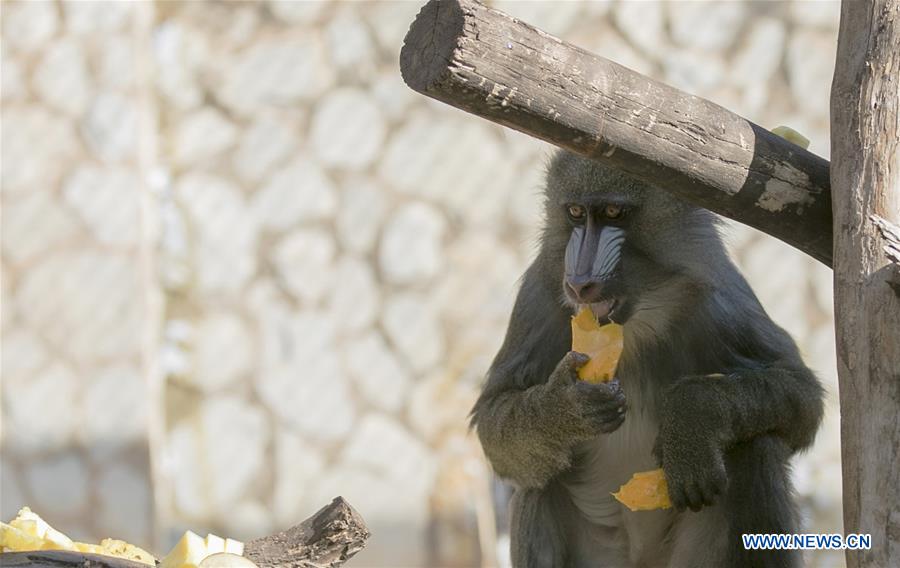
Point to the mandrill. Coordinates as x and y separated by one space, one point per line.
708 387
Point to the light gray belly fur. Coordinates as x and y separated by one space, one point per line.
610 530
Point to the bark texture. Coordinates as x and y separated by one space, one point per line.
497 67
865 175
327 539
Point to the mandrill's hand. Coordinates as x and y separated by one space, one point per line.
688 446
586 409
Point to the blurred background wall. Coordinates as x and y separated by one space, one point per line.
245 269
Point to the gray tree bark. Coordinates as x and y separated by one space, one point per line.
497 67
327 539
865 175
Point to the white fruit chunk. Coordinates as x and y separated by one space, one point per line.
226 560
234 546
214 544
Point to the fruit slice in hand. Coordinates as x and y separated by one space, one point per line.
645 491
603 344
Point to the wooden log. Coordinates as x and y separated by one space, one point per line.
327 539
497 67
865 174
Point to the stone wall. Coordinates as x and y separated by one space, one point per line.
245 269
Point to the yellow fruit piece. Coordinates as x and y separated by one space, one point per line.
791 135
29 527
645 491
29 523
58 539
122 549
190 549
13 539
90 548
28 531
603 344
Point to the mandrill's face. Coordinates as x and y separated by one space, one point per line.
624 248
593 272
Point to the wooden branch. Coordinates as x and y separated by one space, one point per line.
327 539
865 174
497 67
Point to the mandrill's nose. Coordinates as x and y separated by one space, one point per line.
585 289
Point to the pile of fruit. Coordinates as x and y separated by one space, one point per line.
29 532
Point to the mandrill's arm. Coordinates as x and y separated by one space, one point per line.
533 408
702 417
783 401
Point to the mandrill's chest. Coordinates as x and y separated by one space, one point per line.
600 466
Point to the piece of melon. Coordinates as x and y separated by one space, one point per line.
603 344
234 546
645 491
90 548
29 532
30 523
14 539
214 544
192 550
122 549
791 135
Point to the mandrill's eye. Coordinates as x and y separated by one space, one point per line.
613 211
576 212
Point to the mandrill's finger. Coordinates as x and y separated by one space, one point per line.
606 417
566 371
676 495
694 496
715 486
710 492
576 359
611 423
601 393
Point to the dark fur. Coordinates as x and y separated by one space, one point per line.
723 441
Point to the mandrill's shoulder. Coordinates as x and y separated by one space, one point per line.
744 333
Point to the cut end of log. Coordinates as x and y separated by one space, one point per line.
429 44
328 538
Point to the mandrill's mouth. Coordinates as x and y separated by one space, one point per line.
605 311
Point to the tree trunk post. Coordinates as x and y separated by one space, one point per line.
865 177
